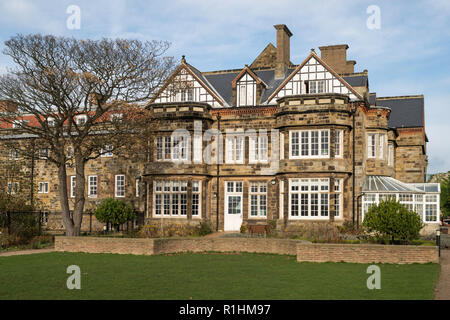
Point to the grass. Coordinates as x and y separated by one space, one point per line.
206 276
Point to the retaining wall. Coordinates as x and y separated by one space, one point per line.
354 253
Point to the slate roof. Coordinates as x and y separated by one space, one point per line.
356 81
222 82
406 112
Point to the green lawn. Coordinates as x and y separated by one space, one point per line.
206 276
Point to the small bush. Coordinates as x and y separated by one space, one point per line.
392 220
243 228
115 212
204 228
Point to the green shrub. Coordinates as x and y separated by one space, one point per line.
390 219
243 228
204 228
115 212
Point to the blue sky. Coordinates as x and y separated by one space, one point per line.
407 55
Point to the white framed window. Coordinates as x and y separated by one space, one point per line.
198 148
338 143
309 198
309 144
316 86
137 188
338 198
179 147
172 148
426 205
72 186
381 138
81 119
92 186
431 208
43 187
281 146
258 200
119 189
258 151
186 94
13 187
13 154
43 153
170 198
391 155
246 91
371 151
235 149
376 145
196 199
106 151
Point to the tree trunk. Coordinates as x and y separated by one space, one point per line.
64 201
79 194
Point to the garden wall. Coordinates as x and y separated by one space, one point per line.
366 253
355 253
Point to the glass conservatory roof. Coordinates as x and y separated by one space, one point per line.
427 187
388 184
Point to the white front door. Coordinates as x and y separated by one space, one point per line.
233 206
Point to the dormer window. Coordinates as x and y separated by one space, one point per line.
81 119
246 91
315 86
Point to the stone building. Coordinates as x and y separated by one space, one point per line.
273 141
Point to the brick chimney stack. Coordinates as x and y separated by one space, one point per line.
283 50
336 57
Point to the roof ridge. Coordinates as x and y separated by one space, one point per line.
415 96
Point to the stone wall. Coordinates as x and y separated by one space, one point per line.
366 253
104 245
305 252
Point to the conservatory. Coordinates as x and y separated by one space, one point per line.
422 198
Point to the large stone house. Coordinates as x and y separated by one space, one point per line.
296 143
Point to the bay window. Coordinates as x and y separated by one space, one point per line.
170 199
309 144
310 198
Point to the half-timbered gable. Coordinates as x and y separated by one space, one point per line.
313 76
187 85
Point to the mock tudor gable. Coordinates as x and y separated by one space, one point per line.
313 76
187 84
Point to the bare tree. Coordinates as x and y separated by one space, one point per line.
57 79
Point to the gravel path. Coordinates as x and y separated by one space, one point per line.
442 290
21 252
